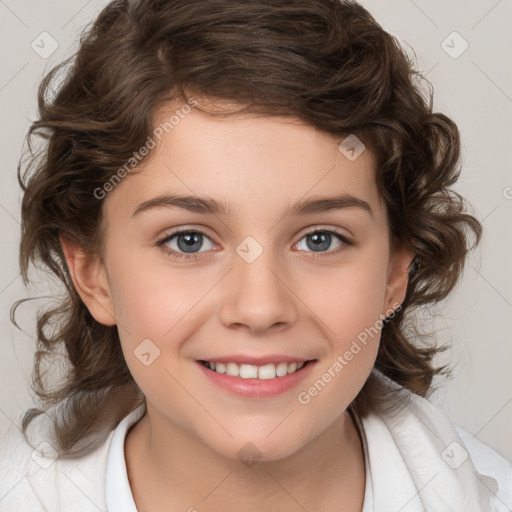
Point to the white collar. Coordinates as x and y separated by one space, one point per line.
118 494
407 461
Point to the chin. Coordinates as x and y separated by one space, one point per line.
257 448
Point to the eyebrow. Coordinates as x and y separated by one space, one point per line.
209 205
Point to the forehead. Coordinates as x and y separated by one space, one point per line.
243 160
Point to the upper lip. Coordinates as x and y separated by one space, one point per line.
256 360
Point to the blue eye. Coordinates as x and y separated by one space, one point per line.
187 243
322 239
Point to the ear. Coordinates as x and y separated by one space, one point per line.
398 276
90 280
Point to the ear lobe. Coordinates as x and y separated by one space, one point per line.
89 277
398 276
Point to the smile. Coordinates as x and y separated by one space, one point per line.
250 371
256 381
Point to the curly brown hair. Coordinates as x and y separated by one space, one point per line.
325 62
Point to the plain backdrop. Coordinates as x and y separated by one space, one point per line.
463 48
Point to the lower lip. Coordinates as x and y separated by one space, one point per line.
258 388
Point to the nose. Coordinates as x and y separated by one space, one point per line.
259 295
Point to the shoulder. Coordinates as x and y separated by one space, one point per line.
33 476
491 463
432 452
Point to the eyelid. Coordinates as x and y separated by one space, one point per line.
321 228
177 231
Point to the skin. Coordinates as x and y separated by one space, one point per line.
183 452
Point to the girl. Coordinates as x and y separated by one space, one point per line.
244 201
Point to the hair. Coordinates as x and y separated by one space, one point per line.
325 62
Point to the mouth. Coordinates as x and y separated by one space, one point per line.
260 372
251 381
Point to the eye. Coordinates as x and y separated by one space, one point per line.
188 241
318 241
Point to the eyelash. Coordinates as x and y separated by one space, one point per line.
177 255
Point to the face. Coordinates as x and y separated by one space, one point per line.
261 279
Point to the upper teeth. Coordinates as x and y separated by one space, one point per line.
250 371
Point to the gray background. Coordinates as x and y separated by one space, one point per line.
474 87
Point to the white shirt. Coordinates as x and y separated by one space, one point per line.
117 488
415 460
119 497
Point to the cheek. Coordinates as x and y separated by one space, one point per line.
151 298
152 309
159 309
154 316
350 297
349 302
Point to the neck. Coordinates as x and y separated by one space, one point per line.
167 464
